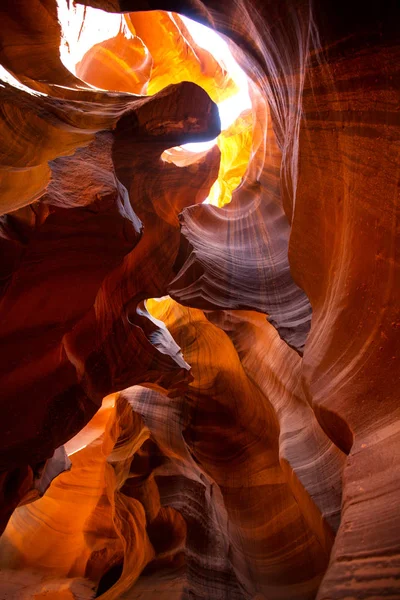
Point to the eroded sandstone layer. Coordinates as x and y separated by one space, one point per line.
200 400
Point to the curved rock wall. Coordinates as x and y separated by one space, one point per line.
241 440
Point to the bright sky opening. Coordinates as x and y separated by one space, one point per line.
83 27
230 109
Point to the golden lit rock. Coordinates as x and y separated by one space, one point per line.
199 292
119 64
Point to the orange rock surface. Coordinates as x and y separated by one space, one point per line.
199 400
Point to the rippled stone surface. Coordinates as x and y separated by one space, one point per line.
241 439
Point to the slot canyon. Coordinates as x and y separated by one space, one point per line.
199 300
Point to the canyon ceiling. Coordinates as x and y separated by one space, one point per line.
199 374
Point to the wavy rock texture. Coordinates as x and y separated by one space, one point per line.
70 334
91 528
65 251
256 231
221 444
232 432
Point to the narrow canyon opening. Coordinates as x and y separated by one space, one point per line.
199 292
109 51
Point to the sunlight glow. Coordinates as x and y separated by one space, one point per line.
231 108
93 429
83 27
7 77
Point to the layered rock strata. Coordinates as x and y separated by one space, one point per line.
241 440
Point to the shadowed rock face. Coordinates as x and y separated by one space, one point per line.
239 439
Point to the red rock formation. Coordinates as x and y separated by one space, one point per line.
264 461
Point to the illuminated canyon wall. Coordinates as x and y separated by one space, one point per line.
199 366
